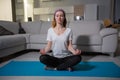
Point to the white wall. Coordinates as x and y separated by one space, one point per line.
5 10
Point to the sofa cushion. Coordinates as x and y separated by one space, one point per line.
11 26
10 41
31 27
85 27
87 40
45 26
4 31
40 38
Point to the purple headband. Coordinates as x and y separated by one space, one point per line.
60 10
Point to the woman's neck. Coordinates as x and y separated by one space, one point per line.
59 29
59 26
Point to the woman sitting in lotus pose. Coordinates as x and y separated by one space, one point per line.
59 40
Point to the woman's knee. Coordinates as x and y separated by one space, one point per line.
43 58
78 58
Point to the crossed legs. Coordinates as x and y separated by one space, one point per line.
60 63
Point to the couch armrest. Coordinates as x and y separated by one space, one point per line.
27 37
109 40
108 31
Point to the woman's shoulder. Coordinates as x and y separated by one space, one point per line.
50 29
69 29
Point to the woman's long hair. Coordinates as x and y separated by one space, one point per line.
54 21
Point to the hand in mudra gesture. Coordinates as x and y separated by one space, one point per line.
42 51
77 52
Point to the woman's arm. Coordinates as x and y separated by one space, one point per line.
71 49
47 48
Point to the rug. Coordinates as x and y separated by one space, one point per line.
83 69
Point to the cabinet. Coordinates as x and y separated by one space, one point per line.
19 10
90 12
46 14
26 9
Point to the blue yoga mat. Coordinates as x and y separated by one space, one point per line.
35 68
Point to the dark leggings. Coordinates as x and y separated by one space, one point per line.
60 63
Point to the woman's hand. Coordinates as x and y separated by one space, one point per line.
77 52
42 51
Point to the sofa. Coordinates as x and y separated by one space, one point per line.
89 36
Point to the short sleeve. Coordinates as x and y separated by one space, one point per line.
70 35
49 37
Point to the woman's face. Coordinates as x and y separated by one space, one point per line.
59 17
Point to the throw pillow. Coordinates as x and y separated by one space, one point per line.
4 31
21 30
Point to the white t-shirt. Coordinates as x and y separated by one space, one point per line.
60 42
